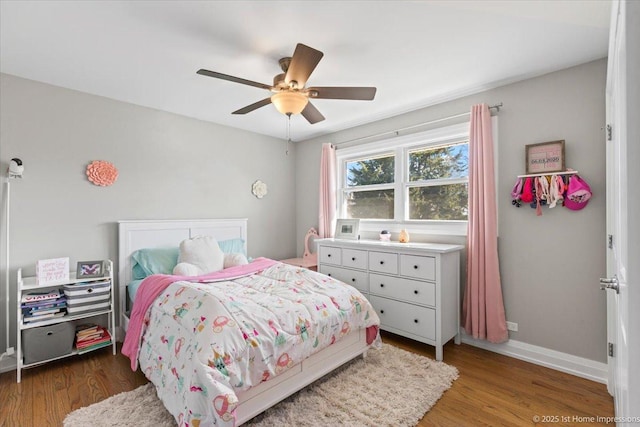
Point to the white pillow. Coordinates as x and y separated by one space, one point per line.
199 255
231 260
186 269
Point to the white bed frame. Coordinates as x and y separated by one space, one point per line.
134 235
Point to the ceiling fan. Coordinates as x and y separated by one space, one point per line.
290 96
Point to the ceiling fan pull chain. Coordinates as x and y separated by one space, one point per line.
286 143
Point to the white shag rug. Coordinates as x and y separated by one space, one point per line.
391 387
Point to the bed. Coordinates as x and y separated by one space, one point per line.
260 387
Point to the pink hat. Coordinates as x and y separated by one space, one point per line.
578 193
527 193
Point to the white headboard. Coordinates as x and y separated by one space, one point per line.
139 234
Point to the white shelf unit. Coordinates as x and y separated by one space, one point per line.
26 284
414 287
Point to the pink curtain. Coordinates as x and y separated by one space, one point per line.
483 313
327 213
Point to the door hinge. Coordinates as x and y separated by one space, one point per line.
610 241
609 132
610 349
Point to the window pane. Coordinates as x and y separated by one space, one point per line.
439 202
442 162
379 170
377 204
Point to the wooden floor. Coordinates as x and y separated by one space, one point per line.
492 390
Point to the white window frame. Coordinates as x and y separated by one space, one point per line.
400 146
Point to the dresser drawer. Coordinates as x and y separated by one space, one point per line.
354 258
383 262
423 293
357 279
420 267
329 255
405 317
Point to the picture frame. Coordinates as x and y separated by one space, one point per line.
545 157
347 229
89 269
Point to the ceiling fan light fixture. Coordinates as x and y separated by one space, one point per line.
289 102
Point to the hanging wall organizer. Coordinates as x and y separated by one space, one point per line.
566 189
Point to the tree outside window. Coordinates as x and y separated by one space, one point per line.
436 187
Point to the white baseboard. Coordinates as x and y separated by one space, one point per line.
574 365
7 364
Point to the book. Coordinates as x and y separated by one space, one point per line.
89 343
28 319
91 335
34 296
41 312
102 336
94 347
87 328
60 302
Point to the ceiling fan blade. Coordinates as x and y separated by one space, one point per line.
232 79
254 106
303 62
356 93
312 114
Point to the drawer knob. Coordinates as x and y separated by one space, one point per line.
381 311
381 262
353 258
329 255
382 285
415 292
353 280
329 274
415 320
415 267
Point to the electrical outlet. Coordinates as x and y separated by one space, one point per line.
512 326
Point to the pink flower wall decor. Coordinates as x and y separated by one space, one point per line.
102 173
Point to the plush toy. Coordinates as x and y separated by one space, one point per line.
231 260
199 255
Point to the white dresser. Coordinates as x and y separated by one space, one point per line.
414 287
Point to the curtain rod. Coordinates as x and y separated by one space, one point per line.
397 131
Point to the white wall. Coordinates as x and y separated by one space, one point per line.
550 265
171 167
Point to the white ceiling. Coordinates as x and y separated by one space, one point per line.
417 53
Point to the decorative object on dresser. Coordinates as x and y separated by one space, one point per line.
414 287
404 236
347 229
385 236
49 316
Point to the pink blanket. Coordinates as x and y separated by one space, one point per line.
153 285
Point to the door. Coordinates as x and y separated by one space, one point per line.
621 283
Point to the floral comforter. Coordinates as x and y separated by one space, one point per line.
203 342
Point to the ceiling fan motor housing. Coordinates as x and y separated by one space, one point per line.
289 93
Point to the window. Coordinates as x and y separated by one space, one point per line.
438 182
420 179
370 191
